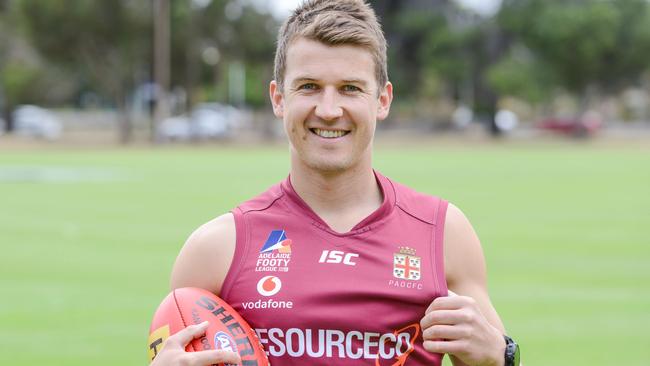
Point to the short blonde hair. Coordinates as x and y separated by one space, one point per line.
334 22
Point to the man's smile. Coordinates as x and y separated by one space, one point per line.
328 134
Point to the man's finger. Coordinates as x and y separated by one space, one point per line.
446 332
185 336
443 317
451 347
211 357
446 303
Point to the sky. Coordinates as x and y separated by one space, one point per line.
281 8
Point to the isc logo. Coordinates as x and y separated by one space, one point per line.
337 256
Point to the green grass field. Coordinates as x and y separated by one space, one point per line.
88 239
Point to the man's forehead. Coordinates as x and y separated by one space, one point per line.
309 59
302 46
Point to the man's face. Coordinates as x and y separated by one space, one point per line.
330 104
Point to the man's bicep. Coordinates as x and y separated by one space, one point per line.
205 258
465 267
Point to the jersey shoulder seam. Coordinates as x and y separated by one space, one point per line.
271 201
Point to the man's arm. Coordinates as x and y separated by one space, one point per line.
466 326
205 258
203 262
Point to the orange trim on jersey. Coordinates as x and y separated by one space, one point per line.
401 359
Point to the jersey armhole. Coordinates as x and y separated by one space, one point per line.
438 247
241 241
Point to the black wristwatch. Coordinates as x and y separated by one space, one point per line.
512 352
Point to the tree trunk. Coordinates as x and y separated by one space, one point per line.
162 63
493 45
125 127
6 107
192 61
6 115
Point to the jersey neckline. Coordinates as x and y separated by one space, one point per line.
298 204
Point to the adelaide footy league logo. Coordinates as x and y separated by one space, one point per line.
406 265
269 285
275 254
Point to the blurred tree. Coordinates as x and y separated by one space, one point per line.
12 82
106 47
105 42
486 48
521 75
209 36
591 46
437 40
422 41
4 50
21 71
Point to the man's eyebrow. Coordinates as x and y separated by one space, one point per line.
302 79
355 81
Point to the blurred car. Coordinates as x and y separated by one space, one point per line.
34 121
209 121
206 121
215 120
585 126
175 128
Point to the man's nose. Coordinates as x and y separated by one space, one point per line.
328 107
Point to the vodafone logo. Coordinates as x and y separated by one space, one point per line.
269 285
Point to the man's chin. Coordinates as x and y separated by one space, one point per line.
329 165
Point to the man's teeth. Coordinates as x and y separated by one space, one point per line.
328 134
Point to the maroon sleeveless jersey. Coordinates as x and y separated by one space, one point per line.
318 297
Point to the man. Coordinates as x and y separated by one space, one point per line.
338 264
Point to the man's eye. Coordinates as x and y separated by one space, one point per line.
351 88
308 86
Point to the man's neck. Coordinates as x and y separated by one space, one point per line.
343 198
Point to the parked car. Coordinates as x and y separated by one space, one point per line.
175 128
585 126
205 121
209 121
34 121
215 120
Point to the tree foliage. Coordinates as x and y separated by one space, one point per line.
425 42
436 49
585 43
105 42
239 32
519 74
102 43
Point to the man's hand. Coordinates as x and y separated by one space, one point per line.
456 326
173 352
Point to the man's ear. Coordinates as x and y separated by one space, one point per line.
277 99
385 99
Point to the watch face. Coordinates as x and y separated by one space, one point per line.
516 358
512 352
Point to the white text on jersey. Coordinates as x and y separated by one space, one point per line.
331 343
337 256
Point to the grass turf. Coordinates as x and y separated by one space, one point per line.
88 239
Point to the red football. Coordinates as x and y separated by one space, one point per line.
227 329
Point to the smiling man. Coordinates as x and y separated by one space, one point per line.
337 264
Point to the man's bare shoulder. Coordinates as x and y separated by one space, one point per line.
205 258
463 253
220 227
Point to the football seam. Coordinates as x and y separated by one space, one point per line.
180 313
